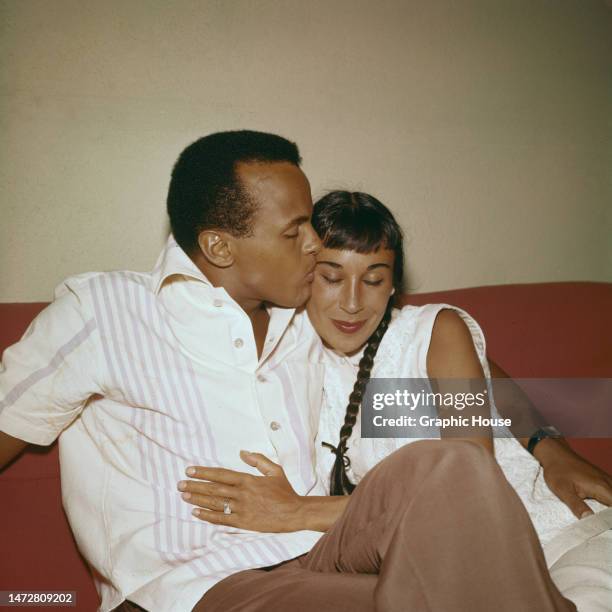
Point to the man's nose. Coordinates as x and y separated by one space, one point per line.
350 300
312 244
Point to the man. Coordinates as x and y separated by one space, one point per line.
141 375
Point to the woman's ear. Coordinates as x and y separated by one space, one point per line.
216 248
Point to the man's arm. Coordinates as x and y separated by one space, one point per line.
571 478
10 448
544 448
47 377
530 419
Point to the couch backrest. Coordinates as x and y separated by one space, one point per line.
543 330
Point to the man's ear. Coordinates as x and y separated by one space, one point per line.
216 248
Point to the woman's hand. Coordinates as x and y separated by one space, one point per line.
571 478
258 503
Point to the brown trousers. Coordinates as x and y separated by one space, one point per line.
434 527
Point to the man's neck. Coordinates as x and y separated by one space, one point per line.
260 321
255 309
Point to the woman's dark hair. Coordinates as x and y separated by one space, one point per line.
206 193
359 222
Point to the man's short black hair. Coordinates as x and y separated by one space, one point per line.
205 192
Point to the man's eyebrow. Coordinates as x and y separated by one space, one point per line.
297 221
333 264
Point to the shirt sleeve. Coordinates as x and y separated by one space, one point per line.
47 377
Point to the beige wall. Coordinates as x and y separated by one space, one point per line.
484 125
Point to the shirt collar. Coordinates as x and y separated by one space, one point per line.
172 261
340 358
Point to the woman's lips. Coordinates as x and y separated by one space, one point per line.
347 327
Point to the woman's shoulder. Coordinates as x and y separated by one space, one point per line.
421 320
408 332
407 340
410 315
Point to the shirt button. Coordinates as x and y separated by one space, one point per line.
217 303
274 426
261 378
238 342
271 339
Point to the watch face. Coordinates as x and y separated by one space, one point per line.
551 431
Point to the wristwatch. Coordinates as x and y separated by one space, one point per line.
548 431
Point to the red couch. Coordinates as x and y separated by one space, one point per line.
538 330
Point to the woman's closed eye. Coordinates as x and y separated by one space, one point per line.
331 280
335 280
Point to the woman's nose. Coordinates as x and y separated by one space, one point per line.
350 300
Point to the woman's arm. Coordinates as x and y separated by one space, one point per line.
452 355
258 503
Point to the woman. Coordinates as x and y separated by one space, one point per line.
358 275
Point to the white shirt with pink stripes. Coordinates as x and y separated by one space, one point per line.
141 375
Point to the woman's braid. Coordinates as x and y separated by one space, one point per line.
339 481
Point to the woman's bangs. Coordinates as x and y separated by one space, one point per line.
363 233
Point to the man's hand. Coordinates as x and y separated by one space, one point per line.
258 503
572 478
